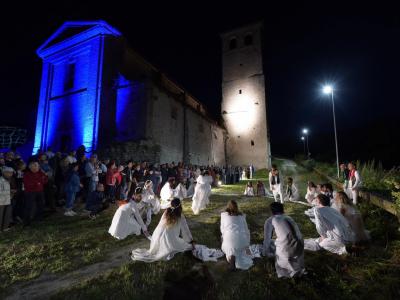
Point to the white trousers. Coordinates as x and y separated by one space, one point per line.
352 194
277 191
327 244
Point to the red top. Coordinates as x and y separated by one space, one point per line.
111 176
34 182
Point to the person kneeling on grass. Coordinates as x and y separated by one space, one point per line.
249 191
292 193
171 236
96 201
334 230
127 219
235 237
288 248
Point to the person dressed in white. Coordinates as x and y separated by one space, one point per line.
180 191
249 191
311 192
235 237
127 219
171 236
292 193
275 184
343 205
202 192
167 193
354 183
150 205
334 230
288 248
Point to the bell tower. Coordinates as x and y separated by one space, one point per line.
244 107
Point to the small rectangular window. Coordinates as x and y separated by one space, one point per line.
69 76
240 91
252 142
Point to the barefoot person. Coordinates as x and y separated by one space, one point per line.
127 219
288 247
166 240
235 237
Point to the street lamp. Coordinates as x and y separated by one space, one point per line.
329 90
305 132
304 143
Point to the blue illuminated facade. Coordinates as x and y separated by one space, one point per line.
74 88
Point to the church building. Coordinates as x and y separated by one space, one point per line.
98 92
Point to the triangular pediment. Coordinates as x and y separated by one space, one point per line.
72 30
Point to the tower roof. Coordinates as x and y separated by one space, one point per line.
73 32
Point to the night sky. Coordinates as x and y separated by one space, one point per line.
356 48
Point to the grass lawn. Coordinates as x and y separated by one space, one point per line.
62 244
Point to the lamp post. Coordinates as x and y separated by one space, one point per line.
329 90
305 131
304 143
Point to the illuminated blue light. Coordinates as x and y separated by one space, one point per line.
69 115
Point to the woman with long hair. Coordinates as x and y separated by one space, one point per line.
355 182
343 204
235 237
166 240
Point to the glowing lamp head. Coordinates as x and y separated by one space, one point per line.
305 131
327 89
302 138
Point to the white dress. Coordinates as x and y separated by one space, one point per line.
288 248
236 239
126 221
334 229
180 192
201 193
355 183
166 241
311 195
166 195
249 191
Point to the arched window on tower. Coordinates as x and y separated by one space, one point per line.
248 39
232 44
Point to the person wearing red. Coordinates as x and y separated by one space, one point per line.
111 180
34 182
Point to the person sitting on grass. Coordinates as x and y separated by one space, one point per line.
288 247
345 206
249 191
235 237
127 219
292 193
260 189
333 229
311 192
96 201
166 240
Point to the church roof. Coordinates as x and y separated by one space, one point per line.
73 32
